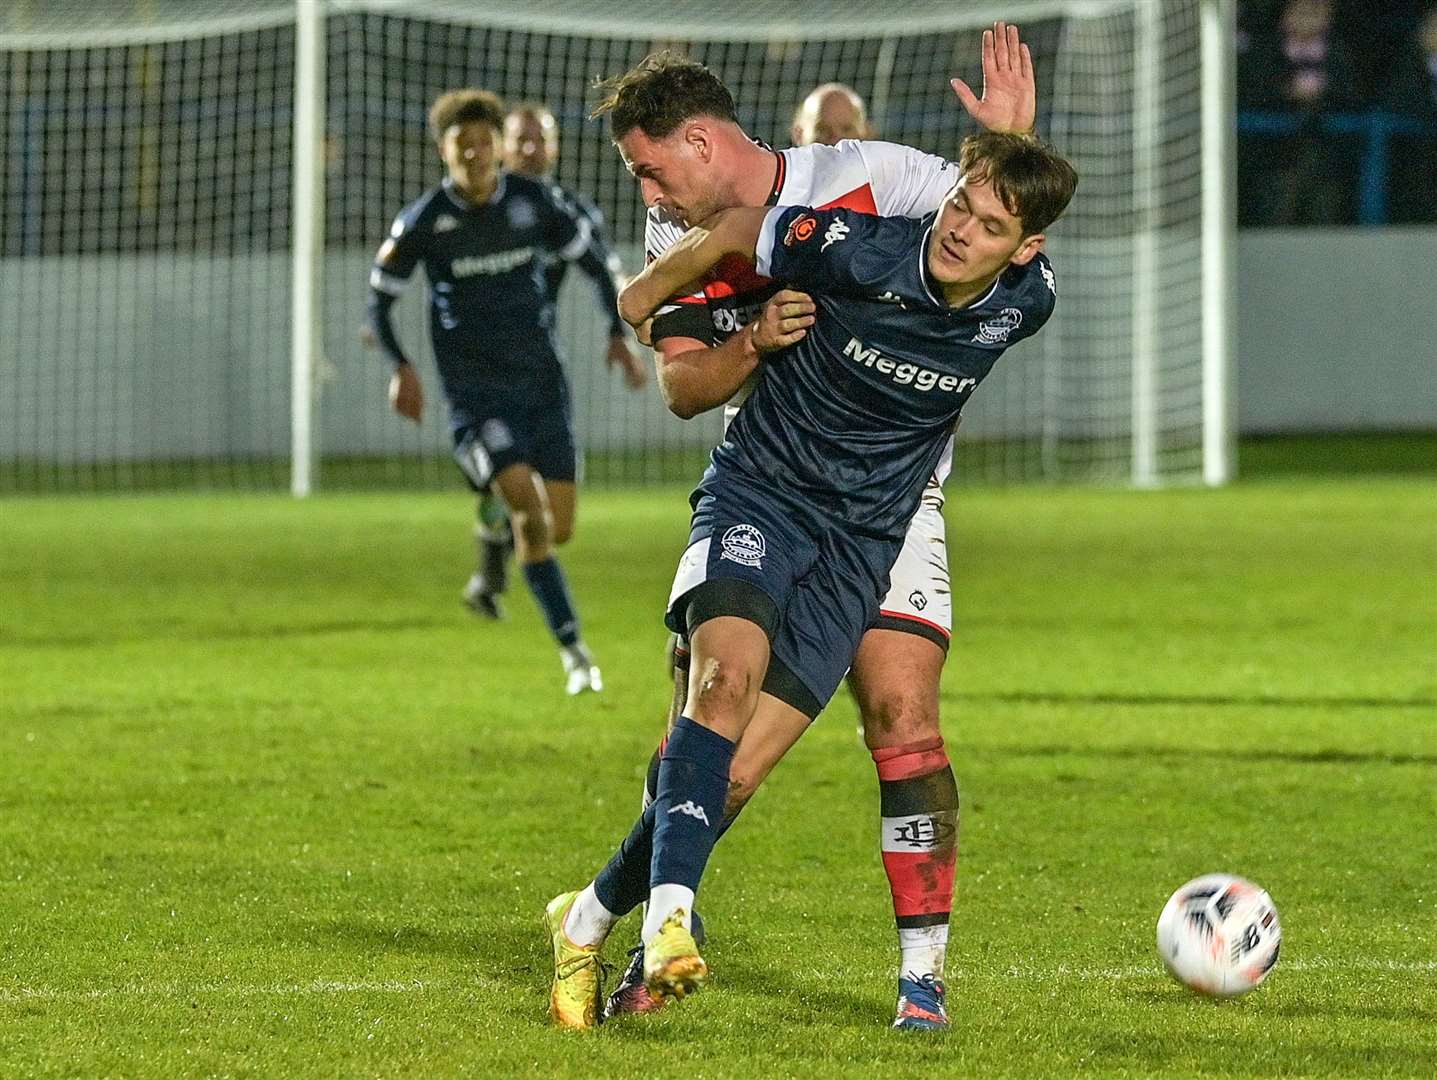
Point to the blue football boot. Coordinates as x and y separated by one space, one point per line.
920 1004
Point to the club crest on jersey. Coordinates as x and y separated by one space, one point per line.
445 223
837 230
995 331
744 545
521 214
801 230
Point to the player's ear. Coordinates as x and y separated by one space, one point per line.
1030 247
699 139
795 135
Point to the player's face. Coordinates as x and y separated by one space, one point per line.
976 237
531 143
469 150
828 119
677 173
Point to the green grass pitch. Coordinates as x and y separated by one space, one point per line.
273 804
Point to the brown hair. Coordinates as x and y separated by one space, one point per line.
463 107
658 95
1032 179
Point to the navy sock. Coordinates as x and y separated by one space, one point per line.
623 883
693 784
546 582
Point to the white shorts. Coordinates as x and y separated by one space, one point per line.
919 599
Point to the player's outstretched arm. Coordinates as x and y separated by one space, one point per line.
1010 93
677 270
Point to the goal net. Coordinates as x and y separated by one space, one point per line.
148 215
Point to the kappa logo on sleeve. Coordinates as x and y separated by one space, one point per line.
836 232
801 230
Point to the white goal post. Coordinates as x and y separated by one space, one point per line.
188 313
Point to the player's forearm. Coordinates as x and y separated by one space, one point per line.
600 267
383 326
729 232
693 381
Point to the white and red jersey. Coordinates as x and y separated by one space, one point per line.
867 176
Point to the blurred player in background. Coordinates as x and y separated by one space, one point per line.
831 113
531 148
485 237
682 142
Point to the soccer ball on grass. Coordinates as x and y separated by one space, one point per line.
1219 934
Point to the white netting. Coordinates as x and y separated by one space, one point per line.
145 203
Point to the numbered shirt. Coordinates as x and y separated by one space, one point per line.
855 416
491 315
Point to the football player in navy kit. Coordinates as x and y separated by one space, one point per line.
805 506
531 148
679 138
485 237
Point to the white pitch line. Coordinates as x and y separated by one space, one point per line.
1061 973
1140 971
15 994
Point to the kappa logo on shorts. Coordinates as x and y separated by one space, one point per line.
836 232
744 545
800 230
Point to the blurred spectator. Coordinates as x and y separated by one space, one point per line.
1303 69
1412 92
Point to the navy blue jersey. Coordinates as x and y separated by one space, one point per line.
598 263
854 417
491 315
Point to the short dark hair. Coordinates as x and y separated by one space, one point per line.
464 107
1034 181
658 95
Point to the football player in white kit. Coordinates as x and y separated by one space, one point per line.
681 141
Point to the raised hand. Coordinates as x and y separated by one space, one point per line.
1010 94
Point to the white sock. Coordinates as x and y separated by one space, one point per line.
922 951
663 899
588 922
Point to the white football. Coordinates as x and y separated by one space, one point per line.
1219 934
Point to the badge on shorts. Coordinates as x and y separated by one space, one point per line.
744 545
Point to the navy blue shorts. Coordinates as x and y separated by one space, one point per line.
503 429
824 582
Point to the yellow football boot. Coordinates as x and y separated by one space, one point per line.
578 971
672 964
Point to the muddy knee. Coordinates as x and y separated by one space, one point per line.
900 718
